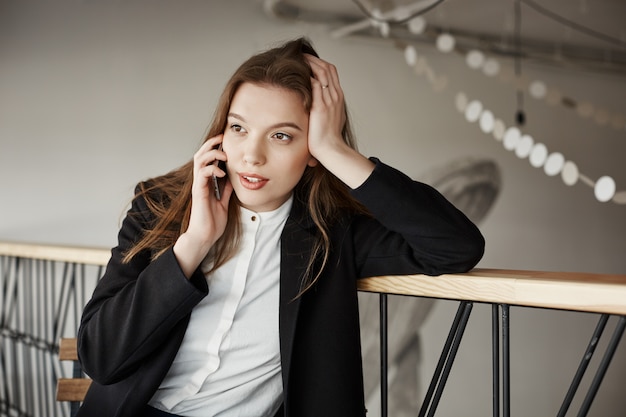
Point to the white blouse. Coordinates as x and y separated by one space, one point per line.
229 362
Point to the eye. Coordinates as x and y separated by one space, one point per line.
282 136
237 128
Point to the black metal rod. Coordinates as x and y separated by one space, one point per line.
455 347
384 365
495 357
506 362
604 365
442 359
584 363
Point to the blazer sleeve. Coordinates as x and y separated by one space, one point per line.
414 229
134 306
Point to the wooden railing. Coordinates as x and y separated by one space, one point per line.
43 290
594 293
598 293
24 268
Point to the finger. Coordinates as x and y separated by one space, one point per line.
328 76
318 92
211 143
226 193
203 159
320 70
208 154
334 81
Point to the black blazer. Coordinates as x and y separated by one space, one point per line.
133 326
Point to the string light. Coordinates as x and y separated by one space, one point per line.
537 89
513 139
411 15
524 146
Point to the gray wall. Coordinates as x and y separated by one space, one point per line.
95 96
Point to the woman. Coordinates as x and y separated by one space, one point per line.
246 305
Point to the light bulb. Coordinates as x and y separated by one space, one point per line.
461 102
491 67
498 129
554 164
570 174
473 110
486 121
584 109
474 59
445 42
553 97
410 55
537 89
538 155
417 25
511 138
384 29
604 189
524 146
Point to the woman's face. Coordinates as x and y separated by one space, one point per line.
266 143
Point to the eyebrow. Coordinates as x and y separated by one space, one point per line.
274 126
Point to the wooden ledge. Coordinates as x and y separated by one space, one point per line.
89 256
72 389
600 293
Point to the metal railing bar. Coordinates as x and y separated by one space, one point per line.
384 356
442 359
495 356
584 363
455 347
604 365
442 371
506 361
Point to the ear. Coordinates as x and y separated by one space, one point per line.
312 162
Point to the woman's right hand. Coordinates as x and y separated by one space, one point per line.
208 214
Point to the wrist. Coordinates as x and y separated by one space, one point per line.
347 164
190 253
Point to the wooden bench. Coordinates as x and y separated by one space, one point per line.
71 389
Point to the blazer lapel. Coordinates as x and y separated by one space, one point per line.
296 245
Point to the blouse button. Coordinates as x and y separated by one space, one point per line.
253 218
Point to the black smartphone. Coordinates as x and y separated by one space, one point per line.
218 183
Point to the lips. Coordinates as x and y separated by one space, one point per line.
252 181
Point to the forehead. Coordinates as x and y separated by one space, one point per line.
268 104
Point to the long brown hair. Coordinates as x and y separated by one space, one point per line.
169 196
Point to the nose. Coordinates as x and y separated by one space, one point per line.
254 150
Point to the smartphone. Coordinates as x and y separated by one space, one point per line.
218 183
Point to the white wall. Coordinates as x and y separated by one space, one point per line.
95 96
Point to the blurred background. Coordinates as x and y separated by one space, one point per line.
516 110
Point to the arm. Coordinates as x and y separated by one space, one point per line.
414 217
135 305
326 121
208 215
414 230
